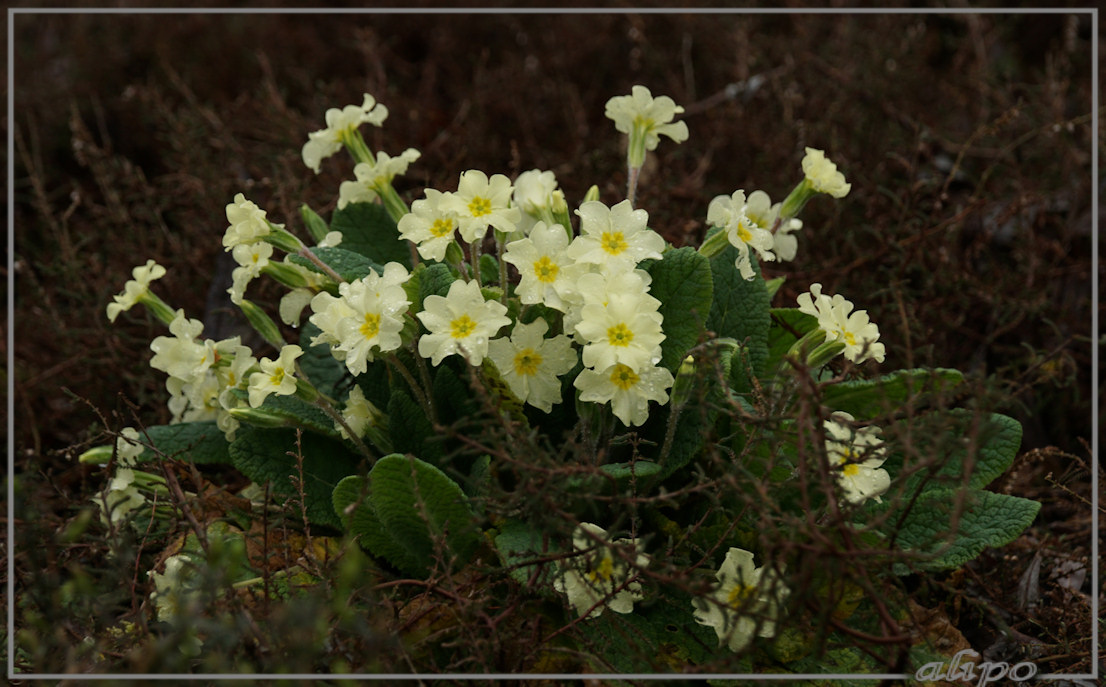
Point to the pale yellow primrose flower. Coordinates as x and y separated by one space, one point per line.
823 175
251 259
856 457
429 226
759 209
534 196
377 304
859 335
745 603
276 376
340 124
480 202
372 178
358 413
121 498
625 330
612 236
590 579
596 288
460 322
628 391
247 223
128 447
530 363
135 288
548 275
645 119
729 213
181 356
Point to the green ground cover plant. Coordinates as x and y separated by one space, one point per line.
546 413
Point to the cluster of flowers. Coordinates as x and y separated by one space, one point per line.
598 316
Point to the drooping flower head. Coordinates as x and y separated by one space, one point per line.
247 223
373 178
460 322
251 259
855 457
823 175
590 579
276 376
745 604
645 118
855 330
530 364
135 289
340 124
730 213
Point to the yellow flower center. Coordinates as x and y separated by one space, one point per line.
850 469
623 377
743 233
527 362
372 325
277 377
480 206
441 227
614 242
546 270
850 339
738 595
603 571
620 335
462 327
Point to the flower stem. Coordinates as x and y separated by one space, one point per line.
631 184
306 252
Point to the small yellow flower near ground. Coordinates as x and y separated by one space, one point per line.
745 604
628 391
590 579
247 223
731 214
480 202
429 226
615 236
373 178
135 289
856 457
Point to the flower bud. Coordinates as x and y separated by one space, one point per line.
262 323
316 225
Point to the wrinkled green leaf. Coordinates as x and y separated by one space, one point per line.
367 229
518 543
262 455
987 520
740 311
870 397
197 442
348 264
358 514
324 371
683 283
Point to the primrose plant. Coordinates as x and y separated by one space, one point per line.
490 348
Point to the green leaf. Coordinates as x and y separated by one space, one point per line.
410 429
422 510
662 637
201 443
324 371
683 283
626 471
348 264
987 520
870 397
263 456
740 311
367 229
943 436
519 543
296 412
434 280
357 513
788 326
